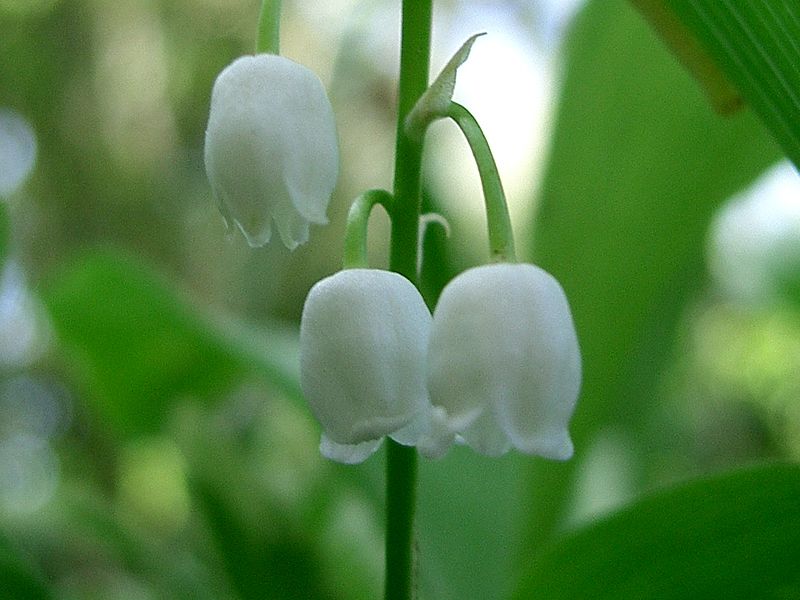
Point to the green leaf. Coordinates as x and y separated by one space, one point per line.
470 521
261 562
731 536
139 345
756 45
18 579
724 96
82 521
4 233
638 165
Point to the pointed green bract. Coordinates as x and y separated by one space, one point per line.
435 102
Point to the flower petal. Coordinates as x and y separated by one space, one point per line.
503 347
271 150
486 437
541 395
348 454
363 337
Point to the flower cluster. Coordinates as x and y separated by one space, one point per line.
496 367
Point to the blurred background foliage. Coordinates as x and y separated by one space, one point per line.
153 439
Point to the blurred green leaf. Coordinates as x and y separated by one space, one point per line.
83 522
4 233
756 44
18 580
731 536
269 561
470 520
639 163
140 346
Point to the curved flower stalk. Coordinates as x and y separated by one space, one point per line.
271 152
363 338
504 366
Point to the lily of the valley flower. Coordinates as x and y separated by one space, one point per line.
498 366
271 152
363 339
504 366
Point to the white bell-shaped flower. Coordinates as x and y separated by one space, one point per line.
363 338
504 367
271 151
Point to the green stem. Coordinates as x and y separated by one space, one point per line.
401 499
414 65
269 28
501 235
401 463
355 237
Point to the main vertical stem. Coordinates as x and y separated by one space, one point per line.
268 36
401 463
414 65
